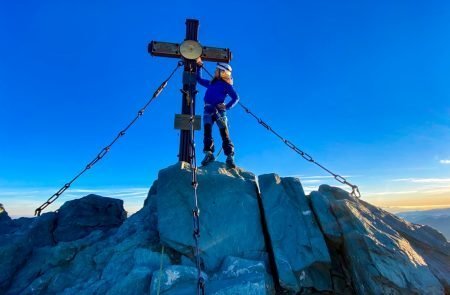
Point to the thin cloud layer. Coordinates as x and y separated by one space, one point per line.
423 180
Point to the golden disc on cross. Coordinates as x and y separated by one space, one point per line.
191 49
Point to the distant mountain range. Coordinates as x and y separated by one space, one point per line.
436 218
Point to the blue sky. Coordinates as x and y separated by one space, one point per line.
361 86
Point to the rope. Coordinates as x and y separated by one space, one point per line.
196 209
355 190
107 148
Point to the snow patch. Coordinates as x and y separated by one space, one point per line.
172 276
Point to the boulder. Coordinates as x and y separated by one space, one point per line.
230 221
301 254
77 218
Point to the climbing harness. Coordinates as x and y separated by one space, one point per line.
106 149
355 190
196 209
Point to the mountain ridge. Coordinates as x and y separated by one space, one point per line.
259 235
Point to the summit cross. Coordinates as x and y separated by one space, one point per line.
189 50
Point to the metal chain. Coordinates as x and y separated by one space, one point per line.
107 148
196 209
160 270
355 190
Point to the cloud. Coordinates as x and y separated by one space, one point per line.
406 208
445 162
311 181
319 176
423 180
390 193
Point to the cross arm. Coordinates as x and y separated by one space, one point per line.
167 49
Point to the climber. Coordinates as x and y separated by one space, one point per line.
215 110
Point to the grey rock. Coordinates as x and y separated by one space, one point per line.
328 222
229 219
88 247
17 245
301 254
102 261
77 218
428 242
380 259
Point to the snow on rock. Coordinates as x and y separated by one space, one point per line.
241 276
174 279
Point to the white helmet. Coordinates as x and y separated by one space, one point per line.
224 67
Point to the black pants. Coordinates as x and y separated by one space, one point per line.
208 140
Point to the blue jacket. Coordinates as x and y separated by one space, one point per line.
217 91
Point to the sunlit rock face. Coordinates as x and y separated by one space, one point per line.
258 235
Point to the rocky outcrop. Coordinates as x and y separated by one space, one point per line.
78 218
258 235
230 221
380 259
300 253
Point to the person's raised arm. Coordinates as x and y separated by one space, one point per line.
200 80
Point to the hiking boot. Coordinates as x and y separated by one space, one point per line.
230 162
209 157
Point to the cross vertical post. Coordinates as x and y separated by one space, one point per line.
189 91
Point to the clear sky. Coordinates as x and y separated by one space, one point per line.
362 86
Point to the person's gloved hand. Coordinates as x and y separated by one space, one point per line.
221 107
199 61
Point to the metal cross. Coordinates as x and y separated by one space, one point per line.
188 50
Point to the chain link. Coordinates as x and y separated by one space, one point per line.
355 190
196 209
106 149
